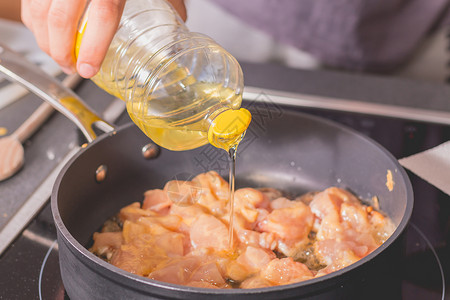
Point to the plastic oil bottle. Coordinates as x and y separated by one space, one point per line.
181 88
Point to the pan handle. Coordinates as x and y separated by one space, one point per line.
18 69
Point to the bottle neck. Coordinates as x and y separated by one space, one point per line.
228 127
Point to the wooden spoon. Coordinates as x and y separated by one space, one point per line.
11 149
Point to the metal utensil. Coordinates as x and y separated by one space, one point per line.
11 149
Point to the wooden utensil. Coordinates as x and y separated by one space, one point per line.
11 149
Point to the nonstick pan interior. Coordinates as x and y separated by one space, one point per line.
296 153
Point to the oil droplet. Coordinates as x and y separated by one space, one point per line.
389 181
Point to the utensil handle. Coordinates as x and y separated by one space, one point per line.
18 69
33 122
41 114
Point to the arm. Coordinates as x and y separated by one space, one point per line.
10 10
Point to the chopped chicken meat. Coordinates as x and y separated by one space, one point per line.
180 235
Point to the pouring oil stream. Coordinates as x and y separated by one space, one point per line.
226 132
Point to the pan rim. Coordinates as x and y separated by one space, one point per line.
115 274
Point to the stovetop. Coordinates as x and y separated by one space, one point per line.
30 268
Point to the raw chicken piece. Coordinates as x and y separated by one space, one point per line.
355 215
161 231
187 213
290 247
251 198
249 215
255 282
237 272
377 219
139 258
157 201
213 194
290 223
254 258
281 202
362 243
342 194
172 243
215 183
266 240
182 192
132 231
262 214
209 232
106 243
221 258
327 207
177 271
208 272
133 212
330 200
248 204
212 204
330 228
326 203
383 226
190 270
170 222
343 219
239 222
271 193
285 271
335 254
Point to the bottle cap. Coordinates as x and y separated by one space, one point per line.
228 128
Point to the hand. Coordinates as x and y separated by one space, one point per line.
54 23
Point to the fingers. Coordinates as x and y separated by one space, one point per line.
25 13
180 8
54 24
103 20
36 20
62 25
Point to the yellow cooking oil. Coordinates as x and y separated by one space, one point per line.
179 110
200 114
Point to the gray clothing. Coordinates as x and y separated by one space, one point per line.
364 35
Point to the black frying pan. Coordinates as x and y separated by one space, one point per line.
293 152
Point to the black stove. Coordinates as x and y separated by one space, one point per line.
30 269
